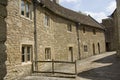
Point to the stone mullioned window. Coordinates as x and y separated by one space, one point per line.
26 53
85 48
47 53
69 27
26 8
94 31
46 20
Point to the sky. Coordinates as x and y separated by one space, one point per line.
98 9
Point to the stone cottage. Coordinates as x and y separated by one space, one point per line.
44 30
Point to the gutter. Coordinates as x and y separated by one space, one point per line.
35 36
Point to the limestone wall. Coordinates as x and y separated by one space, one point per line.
88 38
3 56
20 31
55 36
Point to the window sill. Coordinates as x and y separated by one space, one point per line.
69 31
26 18
26 63
47 26
48 60
85 52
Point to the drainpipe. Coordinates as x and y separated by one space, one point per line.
35 35
78 39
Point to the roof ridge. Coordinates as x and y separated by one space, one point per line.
96 21
70 14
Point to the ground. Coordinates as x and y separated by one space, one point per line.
100 67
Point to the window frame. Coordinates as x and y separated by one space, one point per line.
46 20
85 48
69 27
30 9
94 31
26 53
84 30
47 53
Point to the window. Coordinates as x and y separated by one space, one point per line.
85 48
26 8
94 31
46 20
83 29
69 27
26 53
47 53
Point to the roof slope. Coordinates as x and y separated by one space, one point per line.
71 15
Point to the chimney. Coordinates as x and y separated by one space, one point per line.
56 1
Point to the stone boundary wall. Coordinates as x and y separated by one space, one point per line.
3 56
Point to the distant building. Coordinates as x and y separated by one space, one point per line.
109 32
54 32
112 33
118 27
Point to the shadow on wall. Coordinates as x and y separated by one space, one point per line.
3 31
110 72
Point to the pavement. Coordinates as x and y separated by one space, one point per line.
104 66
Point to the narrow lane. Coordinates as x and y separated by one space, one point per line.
107 68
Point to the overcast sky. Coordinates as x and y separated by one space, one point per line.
98 9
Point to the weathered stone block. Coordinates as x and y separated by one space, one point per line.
3 11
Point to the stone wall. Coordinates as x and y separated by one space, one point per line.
3 56
89 38
56 36
20 31
59 39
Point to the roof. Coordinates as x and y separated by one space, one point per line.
71 15
113 13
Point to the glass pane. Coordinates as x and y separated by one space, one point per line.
28 53
23 50
30 11
22 7
23 58
27 10
23 54
46 20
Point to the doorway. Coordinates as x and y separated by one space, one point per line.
98 48
71 54
94 49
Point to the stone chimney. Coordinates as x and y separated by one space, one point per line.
56 1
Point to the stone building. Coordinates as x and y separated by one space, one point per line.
118 27
48 31
109 33
112 25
